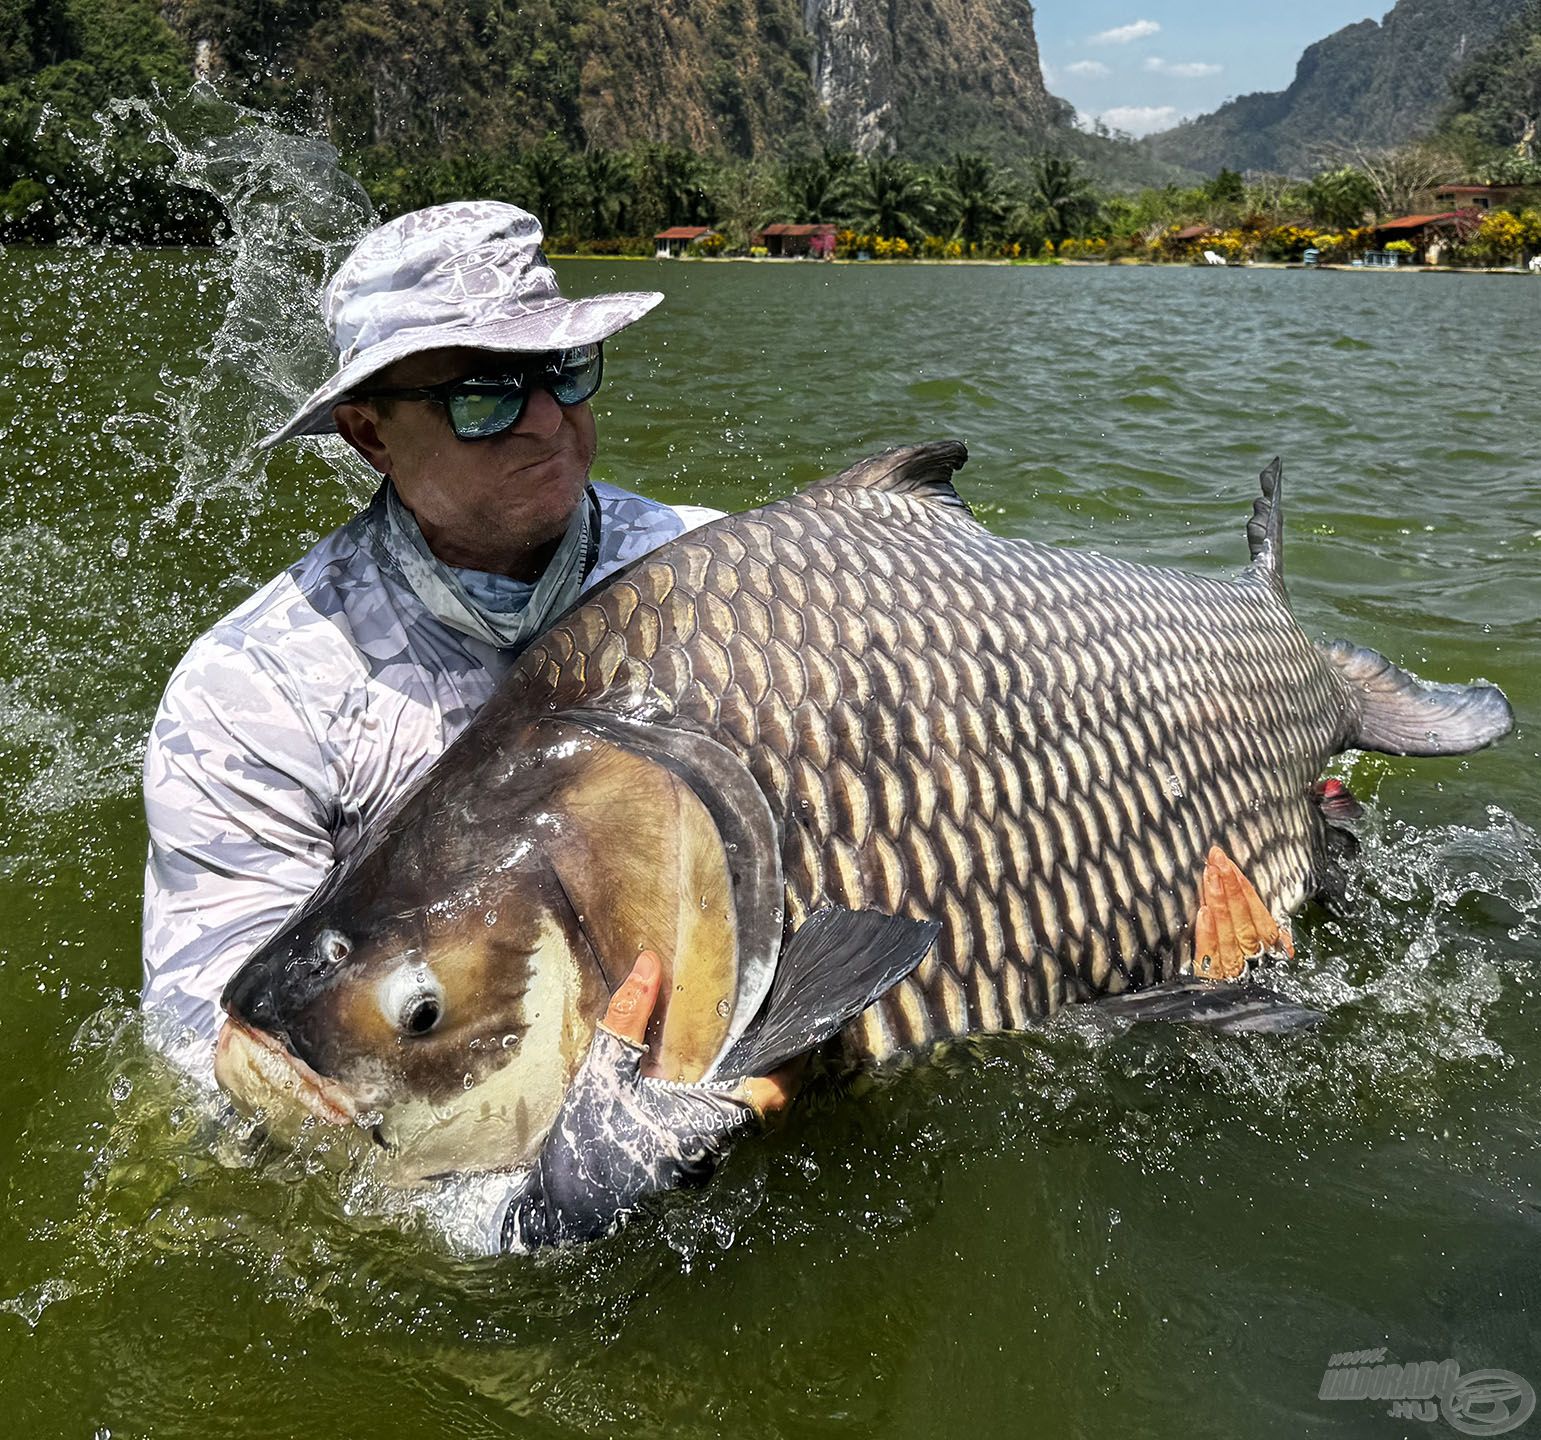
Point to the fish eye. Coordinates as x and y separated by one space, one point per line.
413 1001
333 947
421 1016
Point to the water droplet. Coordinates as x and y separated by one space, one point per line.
468 1081
724 1008
490 919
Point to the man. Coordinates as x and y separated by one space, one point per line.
464 378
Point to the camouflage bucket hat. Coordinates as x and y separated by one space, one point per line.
468 274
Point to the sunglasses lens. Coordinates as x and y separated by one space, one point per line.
489 407
476 414
575 377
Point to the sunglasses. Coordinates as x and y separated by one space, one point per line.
481 407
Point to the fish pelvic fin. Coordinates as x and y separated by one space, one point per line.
1398 714
1237 1008
924 471
1265 530
837 964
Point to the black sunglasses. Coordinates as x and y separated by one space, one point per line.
479 408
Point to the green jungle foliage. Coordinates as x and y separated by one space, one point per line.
1496 101
61 62
1368 86
482 97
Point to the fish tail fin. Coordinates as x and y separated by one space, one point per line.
1265 530
1399 714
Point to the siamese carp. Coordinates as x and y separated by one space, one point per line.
855 697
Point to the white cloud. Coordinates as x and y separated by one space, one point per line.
1183 69
1088 69
1140 119
1124 34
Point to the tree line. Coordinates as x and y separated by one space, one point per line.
69 168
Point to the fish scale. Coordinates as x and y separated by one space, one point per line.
1034 746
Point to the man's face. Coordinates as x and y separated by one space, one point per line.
487 504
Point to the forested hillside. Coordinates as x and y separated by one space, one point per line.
610 116
745 78
1370 85
1496 97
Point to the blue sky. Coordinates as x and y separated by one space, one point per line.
1144 64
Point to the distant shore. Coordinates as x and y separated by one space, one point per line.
1121 264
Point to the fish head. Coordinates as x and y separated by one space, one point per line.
441 988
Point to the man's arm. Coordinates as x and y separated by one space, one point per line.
236 791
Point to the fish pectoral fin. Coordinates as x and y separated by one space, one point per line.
1238 1009
1233 927
837 964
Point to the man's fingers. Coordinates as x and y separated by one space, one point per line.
631 1007
772 1093
1219 906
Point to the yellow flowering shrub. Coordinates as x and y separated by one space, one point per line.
1499 239
1289 242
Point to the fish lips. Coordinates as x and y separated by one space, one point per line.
259 1057
260 1072
275 989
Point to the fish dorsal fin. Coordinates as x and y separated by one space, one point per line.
1265 530
924 471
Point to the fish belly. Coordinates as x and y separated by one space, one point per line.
1034 746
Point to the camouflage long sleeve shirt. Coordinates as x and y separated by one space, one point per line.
286 728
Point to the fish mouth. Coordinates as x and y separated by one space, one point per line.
259 1072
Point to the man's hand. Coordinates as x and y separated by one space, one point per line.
632 1006
621 1136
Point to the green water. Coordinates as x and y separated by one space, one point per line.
1071 1233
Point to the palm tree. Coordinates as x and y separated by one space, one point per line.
671 184
816 189
973 196
604 193
892 198
1060 191
549 182
1339 198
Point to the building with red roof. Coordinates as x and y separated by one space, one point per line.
783 240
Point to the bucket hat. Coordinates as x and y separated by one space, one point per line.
467 274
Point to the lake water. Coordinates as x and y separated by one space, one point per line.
1159 1233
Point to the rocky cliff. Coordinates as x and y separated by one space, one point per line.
737 77
1369 84
926 76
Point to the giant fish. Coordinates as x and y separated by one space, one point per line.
854 697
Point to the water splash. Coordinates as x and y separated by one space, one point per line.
292 214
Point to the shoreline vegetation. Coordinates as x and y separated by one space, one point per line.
1123 264
101 141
